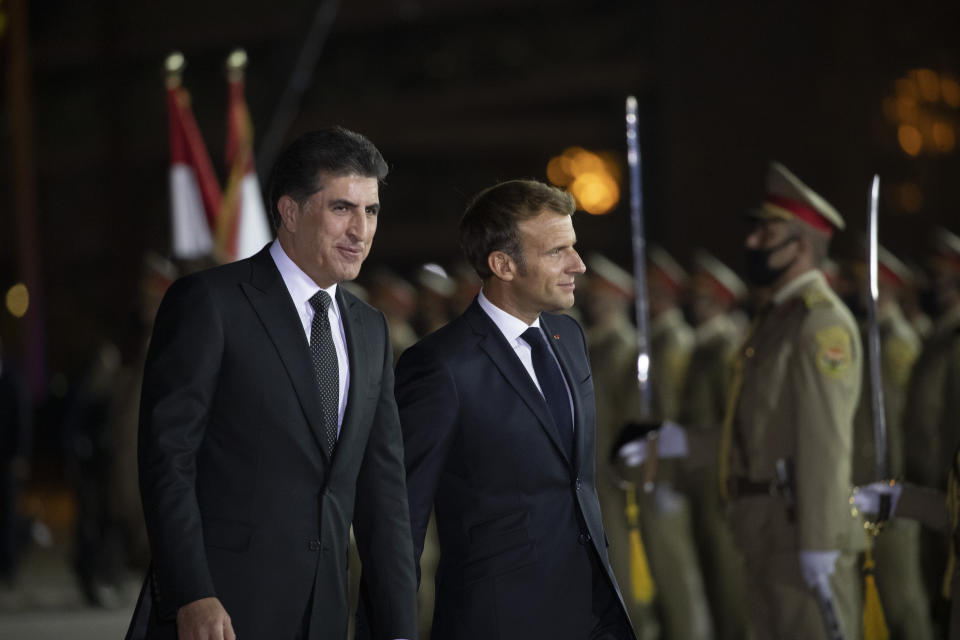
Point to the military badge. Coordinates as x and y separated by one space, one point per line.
834 353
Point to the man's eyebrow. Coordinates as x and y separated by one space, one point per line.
343 202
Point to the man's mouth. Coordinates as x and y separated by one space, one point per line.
350 252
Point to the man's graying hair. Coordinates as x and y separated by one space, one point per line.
490 222
335 151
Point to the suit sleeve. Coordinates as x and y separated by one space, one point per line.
382 519
428 403
826 372
180 380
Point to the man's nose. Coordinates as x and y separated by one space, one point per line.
577 266
358 227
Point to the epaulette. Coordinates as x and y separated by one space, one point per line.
815 298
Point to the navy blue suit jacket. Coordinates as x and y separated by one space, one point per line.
517 518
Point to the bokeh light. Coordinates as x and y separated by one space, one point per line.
18 300
593 178
911 140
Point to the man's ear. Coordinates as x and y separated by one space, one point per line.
502 265
289 210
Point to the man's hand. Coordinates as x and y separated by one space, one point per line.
867 498
204 619
671 443
817 567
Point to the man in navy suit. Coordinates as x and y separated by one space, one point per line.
497 413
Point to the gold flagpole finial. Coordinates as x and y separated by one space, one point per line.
236 64
173 68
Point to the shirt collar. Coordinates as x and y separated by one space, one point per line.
794 286
299 284
510 326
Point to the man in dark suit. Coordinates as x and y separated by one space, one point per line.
268 425
497 413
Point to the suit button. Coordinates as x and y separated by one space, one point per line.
584 538
313 545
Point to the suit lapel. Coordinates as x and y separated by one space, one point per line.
271 300
355 334
565 357
506 360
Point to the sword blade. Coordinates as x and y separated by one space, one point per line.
639 256
873 335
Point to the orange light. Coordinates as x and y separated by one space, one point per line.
586 162
943 136
906 109
950 90
929 84
596 193
556 174
911 141
906 87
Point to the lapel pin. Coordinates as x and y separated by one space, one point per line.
556 336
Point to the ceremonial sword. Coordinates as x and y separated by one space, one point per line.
873 336
641 305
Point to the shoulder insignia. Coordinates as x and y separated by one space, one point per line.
834 350
815 298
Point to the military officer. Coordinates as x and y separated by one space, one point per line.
665 511
786 443
612 342
671 338
896 551
714 292
930 425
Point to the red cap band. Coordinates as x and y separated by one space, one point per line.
803 212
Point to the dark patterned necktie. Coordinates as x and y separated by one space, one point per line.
552 385
326 370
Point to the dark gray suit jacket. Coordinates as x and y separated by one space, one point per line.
242 501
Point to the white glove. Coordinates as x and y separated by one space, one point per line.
671 443
817 567
867 498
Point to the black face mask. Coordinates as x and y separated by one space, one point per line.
757 267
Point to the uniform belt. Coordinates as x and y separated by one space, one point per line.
740 487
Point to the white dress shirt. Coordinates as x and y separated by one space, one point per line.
301 288
512 328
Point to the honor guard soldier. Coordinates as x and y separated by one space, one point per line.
930 424
612 342
714 292
787 436
896 550
665 512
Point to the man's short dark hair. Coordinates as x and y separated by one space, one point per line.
490 222
335 151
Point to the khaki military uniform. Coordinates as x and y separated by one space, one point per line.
931 425
896 550
931 428
704 403
665 516
801 377
613 358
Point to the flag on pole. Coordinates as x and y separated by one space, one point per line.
194 190
242 226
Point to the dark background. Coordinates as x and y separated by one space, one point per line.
457 95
